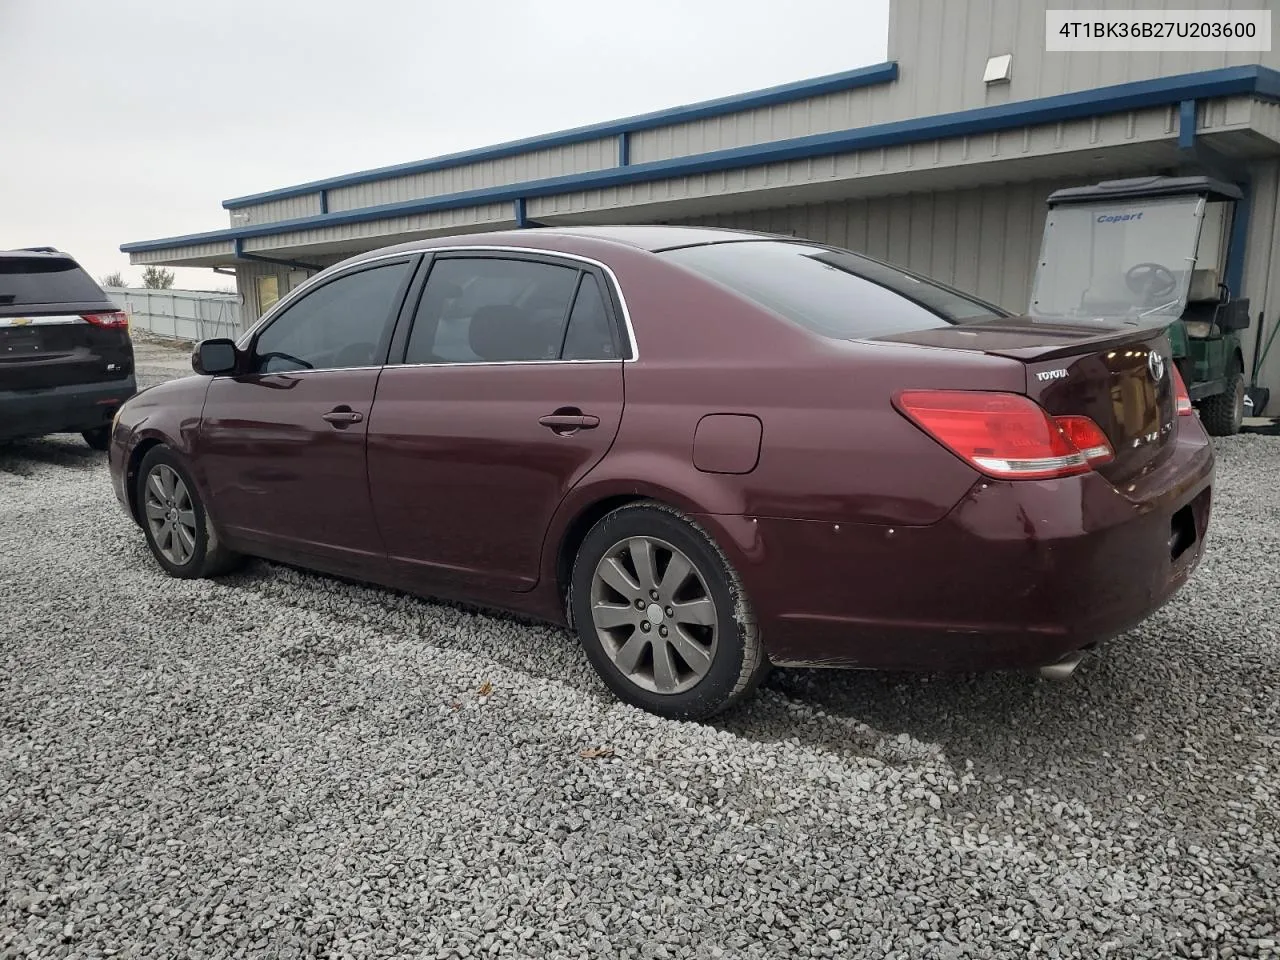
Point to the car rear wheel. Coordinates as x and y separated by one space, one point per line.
175 522
99 437
662 616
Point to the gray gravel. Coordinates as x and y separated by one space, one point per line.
281 765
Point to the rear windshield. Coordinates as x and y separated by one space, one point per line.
38 280
829 291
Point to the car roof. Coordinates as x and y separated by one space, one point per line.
653 238
657 237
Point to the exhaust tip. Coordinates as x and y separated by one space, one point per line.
1063 668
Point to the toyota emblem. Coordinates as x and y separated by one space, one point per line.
1155 366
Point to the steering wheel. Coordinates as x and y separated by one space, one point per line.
1151 280
264 358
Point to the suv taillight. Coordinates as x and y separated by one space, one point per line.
1006 435
117 318
1181 398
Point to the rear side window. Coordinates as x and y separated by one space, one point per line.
832 292
591 333
31 281
489 309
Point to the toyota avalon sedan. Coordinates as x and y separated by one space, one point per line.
704 451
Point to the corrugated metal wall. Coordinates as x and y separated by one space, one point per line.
942 48
558 161
491 216
537 164
290 208
218 249
834 111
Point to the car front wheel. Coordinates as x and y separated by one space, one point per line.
662 616
175 521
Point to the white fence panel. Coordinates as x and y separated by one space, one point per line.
182 314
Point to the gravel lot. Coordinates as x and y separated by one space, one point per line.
281 765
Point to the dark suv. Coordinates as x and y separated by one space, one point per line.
66 361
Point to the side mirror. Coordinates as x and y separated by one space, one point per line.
215 357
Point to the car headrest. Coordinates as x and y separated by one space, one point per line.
498 332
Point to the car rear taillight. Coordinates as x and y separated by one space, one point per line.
1181 398
117 318
1006 435
1088 438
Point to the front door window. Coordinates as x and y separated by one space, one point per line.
340 325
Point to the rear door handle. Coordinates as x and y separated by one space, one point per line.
342 417
569 420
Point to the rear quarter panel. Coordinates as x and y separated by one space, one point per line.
833 447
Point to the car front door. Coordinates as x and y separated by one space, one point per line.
282 444
510 390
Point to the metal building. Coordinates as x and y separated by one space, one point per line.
918 160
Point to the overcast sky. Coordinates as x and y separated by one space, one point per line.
134 119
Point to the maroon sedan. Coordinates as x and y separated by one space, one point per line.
707 451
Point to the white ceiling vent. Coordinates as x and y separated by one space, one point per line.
999 69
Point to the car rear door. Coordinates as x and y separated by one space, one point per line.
57 327
509 392
281 447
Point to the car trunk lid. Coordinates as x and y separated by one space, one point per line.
1118 375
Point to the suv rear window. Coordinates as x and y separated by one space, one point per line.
38 280
832 292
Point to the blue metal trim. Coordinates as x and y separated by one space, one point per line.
832 83
1229 81
1187 125
522 219
1237 243
624 148
324 201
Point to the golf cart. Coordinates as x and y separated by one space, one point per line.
1153 250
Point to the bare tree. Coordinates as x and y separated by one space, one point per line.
113 280
157 278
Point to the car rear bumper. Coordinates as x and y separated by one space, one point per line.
66 409
1018 574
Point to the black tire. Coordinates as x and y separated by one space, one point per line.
208 556
99 437
737 662
1223 413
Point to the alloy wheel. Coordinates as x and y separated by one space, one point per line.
171 515
654 615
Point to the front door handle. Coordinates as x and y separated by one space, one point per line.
568 420
343 416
